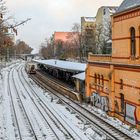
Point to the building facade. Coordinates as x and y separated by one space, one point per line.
87 35
103 29
113 81
104 14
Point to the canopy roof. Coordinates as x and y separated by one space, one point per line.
80 76
63 65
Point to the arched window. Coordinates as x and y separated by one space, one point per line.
133 41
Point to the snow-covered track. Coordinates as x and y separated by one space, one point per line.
54 115
18 136
46 132
39 110
110 131
24 127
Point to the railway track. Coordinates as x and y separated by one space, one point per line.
49 133
55 116
110 131
16 124
18 112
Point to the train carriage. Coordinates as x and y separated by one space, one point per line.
31 68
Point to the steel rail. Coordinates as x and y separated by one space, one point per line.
13 107
39 109
42 81
30 124
50 110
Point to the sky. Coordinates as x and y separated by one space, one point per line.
48 16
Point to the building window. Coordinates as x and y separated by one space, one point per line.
133 41
95 76
122 103
104 11
121 83
99 79
102 78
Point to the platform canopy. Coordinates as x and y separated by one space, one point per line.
80 76
63 65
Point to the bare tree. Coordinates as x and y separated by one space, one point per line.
23 48
99 38
47 49
43 51
103 38
6 38
75 40
88 40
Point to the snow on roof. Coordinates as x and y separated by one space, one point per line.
90 19
128 4
80 76
65 65
112 10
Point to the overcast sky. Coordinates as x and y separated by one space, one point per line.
51 15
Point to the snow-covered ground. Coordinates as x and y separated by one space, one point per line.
132 132
49 118
46 116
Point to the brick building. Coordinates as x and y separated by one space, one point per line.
113 81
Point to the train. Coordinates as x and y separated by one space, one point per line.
31 68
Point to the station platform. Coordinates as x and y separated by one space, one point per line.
73 73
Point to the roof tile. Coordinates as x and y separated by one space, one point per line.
128 4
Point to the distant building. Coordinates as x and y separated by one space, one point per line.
113 81
88 35
104 14
103 29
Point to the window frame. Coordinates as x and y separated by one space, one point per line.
132 42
